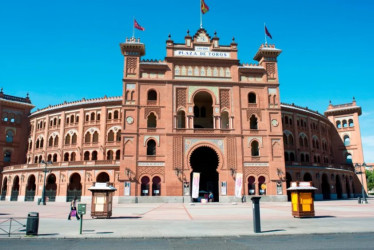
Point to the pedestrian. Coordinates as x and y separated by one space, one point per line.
73 209
210 197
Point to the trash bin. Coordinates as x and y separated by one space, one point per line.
32 225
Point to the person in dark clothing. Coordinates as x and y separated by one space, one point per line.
73 209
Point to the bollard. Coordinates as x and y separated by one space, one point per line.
256 214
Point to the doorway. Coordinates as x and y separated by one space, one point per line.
204 160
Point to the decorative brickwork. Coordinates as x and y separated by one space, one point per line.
252 111
131 65
270 69
156 110
256 171
224 95
181 97
150 171
231 155
178 152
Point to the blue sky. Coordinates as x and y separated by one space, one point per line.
67 50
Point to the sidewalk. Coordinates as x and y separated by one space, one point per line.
197 220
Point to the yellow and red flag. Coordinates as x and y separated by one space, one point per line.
204 7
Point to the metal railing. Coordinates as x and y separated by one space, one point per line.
10 226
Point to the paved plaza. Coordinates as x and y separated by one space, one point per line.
191 220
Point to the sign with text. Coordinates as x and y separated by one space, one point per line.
195 185
238 185
202 52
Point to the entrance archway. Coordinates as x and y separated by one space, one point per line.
74 188
15 189
30 188
325 187
4 189
348 189
102 177
204 160
338 187
51 188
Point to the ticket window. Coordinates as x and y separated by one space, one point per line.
156 186
251 185
145 186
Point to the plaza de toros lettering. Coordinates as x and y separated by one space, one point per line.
202 52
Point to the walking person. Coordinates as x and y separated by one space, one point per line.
73 209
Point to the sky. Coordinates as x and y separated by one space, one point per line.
68 50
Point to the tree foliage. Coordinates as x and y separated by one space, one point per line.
370 179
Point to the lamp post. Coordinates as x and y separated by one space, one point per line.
45 171
358 170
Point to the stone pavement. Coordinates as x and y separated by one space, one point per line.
192 220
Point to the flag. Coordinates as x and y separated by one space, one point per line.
204 7
267 32
137 26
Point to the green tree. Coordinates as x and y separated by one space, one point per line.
370 179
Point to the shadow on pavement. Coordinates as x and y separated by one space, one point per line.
48 234
4 214
274 230
104 232
319 217
126 217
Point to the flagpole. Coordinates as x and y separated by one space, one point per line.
133 27
266 42
201 16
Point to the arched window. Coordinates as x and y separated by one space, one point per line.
338 124
253 122
254 148
37 143
94 155
49 157
345 124
306 157
72 156
314 143
109 155
290 139
156 186
72 118
285 140
35 159
66 157
95 137
290 121
118 135
118 154
30 145
348 159
41 158
152 95
87 137
54 158
7 156
67 139
292 156
67 120
111 136
196 111
151 147
151 121
9 136
55 122
115 114
74 139
181 119
225 120
347 141
56 141
286 156
86 156
98 117
301 141
251 98
109 116
145 186
305 142
87 117
41 142
351 124
317 144
92 116
286 119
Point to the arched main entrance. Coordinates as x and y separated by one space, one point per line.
74 188
51 187
30 188
4 189
204 160
325 187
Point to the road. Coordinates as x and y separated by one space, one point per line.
279 242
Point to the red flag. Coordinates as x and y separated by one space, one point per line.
137 26
267 32
204 7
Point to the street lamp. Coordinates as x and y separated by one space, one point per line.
45 171
358 170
